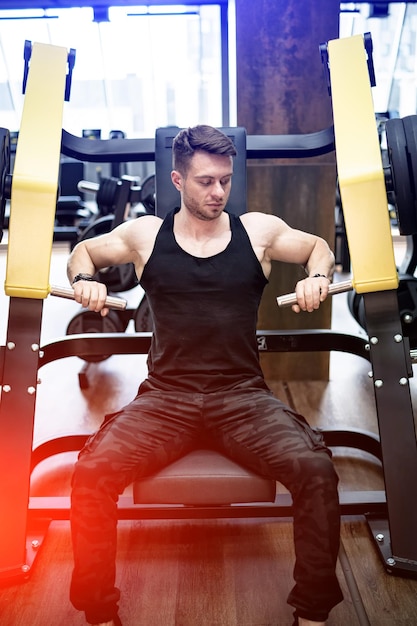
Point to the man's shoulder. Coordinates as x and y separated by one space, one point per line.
262 228
147 222
258 220
143 228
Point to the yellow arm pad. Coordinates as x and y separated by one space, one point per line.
360 170
35 175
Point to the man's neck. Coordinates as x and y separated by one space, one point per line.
188 225
202 238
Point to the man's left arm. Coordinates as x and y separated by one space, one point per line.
313 253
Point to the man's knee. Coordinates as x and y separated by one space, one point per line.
318 469
90 470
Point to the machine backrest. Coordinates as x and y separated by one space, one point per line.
167 197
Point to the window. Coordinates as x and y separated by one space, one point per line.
394 36
140 68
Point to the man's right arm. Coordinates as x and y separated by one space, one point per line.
89 256
131 242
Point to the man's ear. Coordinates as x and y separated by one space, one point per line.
176 179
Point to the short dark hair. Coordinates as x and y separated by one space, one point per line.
201 137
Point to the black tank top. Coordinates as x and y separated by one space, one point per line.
204 312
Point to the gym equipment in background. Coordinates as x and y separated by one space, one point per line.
391 513
401 182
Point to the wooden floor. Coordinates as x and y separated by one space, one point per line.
202 573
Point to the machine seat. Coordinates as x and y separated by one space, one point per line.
203 477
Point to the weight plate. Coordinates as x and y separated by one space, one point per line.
91 322
142 317
118 277
356 307
401 176
4 171
407 306
361 315
410 130
147 194
107 195
353 299
100 226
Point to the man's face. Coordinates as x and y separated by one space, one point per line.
206 187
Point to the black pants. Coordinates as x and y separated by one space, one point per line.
249 425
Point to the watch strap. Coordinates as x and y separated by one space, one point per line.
82 277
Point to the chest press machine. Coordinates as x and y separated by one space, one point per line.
203 484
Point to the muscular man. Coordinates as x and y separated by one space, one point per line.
204 271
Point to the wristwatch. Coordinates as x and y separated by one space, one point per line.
320 276
82 277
